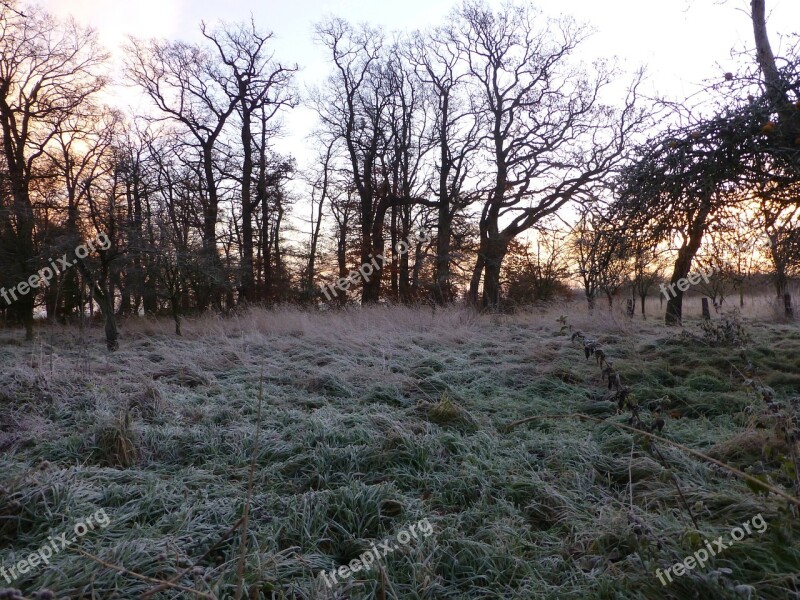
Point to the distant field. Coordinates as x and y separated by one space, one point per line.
373 420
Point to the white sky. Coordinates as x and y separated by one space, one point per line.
682 42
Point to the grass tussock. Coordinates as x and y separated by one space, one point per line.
115 444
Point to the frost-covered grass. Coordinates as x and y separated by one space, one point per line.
376 419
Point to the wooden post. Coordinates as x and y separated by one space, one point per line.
706 312
787 305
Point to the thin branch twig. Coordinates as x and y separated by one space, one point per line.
125 571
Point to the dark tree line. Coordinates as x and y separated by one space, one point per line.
479 131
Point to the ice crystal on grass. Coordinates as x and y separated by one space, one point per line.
380 417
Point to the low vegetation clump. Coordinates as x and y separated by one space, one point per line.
255 452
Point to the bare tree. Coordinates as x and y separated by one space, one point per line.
440 66
360 107
646 264
80 156
549 138
259 85
598 248
403 160
778 218
186 87
49 72
321 191
351 111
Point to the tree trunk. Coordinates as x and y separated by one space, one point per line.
106 302
371 289
247 273
174 303
341 260
781 278
23 213
781 284
674 314
278 254
394 265
764 55
27 305
372 245
776 87
496 250
266 249
149 296
683 263
591 302
405 271
209 232
312 254
442 292
475 281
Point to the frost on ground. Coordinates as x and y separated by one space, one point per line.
376 419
